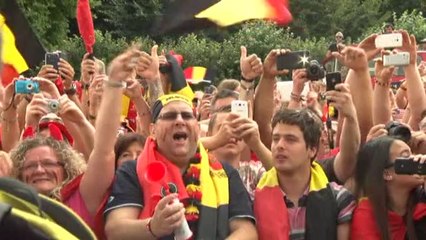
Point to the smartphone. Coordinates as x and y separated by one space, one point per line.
240 107
52 58
407 166
391 40
398 59
293 60
209 90
332 79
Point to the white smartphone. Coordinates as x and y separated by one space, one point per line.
398 59
240 107
391 40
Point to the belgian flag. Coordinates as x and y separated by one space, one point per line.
189 15
21 49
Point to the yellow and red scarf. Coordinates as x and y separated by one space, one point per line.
269 206
212 188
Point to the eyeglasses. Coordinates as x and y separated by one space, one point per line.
170 116
48 165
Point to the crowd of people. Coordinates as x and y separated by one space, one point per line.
187 166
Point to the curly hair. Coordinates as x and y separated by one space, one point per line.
73 162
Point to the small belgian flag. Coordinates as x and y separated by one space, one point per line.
21 49
189 15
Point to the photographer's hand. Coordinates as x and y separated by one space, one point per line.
36 109
270 64
369 46
48 72
67 73
353 57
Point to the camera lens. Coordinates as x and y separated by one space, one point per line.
30 86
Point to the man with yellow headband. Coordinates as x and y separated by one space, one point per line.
212 198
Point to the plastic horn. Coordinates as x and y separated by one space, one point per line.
155 173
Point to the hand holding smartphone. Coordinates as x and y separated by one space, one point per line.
52 58
293 60
407 166
332 79
240 107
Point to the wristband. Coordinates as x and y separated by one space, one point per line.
148 226
114 84
382 84
296 97
71 91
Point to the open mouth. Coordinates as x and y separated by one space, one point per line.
180 136
39 180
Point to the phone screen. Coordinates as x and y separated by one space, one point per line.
293 60
52 59
332 79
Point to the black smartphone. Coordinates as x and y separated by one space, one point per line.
293 60
407 166
52 58
332 79
209 90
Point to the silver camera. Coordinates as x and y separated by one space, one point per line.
53 105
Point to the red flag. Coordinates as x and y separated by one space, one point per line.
85 24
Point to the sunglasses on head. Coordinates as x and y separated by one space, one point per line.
173 115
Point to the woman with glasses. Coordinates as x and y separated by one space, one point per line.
391 206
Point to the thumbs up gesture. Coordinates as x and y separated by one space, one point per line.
148 65
251 66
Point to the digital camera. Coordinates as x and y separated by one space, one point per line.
397 130
398 59
27 87
53 105
315 71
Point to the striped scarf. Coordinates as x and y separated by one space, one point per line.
213 208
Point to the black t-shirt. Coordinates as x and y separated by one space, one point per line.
127 192
328 167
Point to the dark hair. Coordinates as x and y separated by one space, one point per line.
308 122
372 160
213 118
124 141
224 93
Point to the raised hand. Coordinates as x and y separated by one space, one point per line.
168 216
341 99
67 72
353 57
409 44
133 89
122 67
148 65
69 110
251 66
88 68
369 46
383 74
270 64
48 72
36 109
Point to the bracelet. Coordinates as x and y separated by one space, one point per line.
114 84
382 84
296 97
148 226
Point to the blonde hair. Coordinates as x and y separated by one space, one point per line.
73 162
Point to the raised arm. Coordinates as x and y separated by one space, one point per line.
101 165
251 68
416 94
80 128
264 97
134 92
382 111
299 80
9 118
148 68
344 164
359 81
